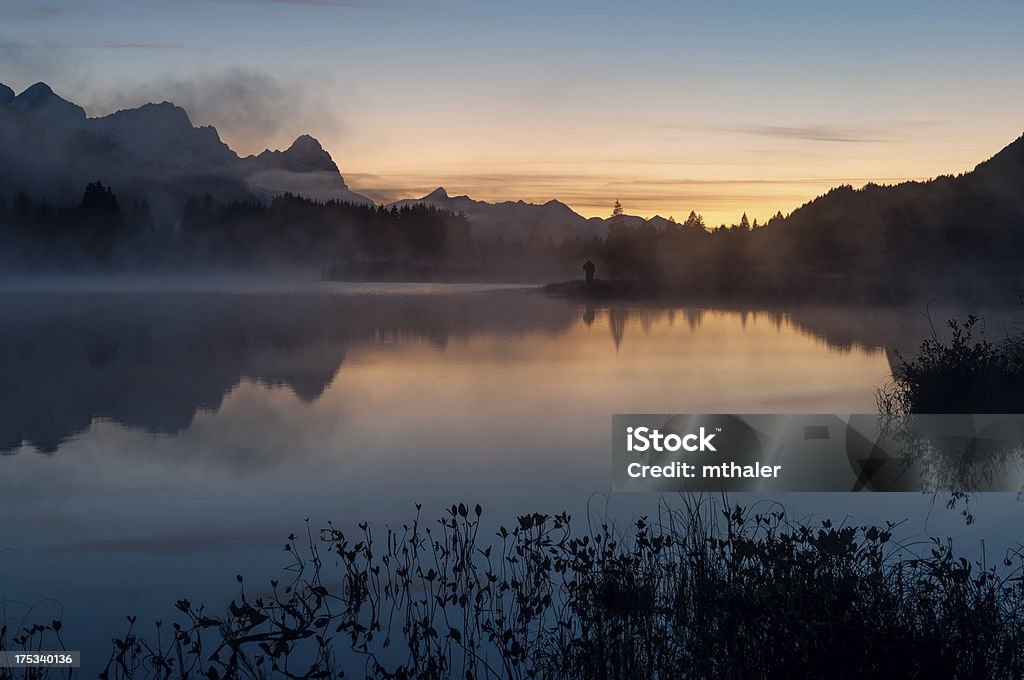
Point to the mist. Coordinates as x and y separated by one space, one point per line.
252 110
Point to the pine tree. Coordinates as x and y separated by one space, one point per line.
617 224
694 221
99 201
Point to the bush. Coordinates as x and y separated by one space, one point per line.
965 375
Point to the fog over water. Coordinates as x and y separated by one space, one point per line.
159 438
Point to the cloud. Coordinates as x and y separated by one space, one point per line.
64 43
252 110
322 3
882 132
132 45
331 4
38 12
817 133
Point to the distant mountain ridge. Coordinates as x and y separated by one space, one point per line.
51 148
520 221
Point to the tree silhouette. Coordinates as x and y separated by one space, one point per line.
694 221
617 222
99 201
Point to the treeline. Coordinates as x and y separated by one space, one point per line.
100 231
339 239
871 244
96 229
297 229
953 234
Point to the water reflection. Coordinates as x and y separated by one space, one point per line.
196 429
154 360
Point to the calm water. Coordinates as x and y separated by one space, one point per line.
159 441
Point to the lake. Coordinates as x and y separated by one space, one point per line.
159 438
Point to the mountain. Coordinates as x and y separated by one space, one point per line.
40 101
303 168
163 133
51 148
511 220
519 221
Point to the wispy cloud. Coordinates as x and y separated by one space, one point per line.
125 44
817 133
133 45
251 109
39 12
880 132
72 43
330 4
322 3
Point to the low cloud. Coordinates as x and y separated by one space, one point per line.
252 110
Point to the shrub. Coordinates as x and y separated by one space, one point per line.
967 374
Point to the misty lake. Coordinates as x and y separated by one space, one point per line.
159 439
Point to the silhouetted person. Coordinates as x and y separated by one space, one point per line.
588 314
588 269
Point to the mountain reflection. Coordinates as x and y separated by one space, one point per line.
154 360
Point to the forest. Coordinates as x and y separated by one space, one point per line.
874 244
99 233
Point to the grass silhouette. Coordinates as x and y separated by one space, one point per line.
701 590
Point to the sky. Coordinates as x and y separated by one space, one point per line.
722 108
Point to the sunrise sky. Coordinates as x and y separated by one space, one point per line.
668 106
